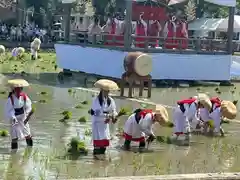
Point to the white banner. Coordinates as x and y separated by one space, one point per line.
109 63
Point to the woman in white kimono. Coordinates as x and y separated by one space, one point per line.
185 113
18 111
139 125
228 110
212 118
103 112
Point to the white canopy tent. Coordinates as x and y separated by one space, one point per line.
205 24
223 26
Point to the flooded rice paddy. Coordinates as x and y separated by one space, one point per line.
47 160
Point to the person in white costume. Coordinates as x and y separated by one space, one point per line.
185 113
213 117
35 46
139 125
18 111
103 111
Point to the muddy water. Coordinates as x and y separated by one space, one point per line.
47 158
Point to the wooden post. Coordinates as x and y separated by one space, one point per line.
130 92
230 30
141 88
149 87
128 25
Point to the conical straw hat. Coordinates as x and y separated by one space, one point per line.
162 111
18 83
228 109
204 100
106 85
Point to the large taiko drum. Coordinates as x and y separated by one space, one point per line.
139 63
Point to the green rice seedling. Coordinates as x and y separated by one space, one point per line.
77 147
66 112
4 133
43 93
84 102
42 101
169 124
124 111
82 119
3 92
88 132
78 107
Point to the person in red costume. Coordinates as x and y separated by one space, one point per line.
182 33
154 31
170 33
141 30
110 29
120 31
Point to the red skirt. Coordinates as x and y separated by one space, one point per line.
153 42
110 40
101 143
183 43
140 42
130 138
171 43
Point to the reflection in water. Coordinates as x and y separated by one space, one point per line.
18 165
51 137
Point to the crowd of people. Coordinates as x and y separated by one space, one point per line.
24 33
173 32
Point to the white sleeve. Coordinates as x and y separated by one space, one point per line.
9 110
190 111
146 124
28 105
114 109
216 117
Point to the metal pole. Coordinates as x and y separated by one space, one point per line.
230 29
128 25
199 8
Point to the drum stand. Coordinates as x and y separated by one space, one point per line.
131 78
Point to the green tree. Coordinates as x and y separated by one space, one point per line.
38 4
